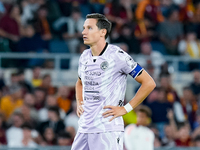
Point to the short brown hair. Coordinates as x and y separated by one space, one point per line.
102 22
144 109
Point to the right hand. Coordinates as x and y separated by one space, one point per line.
80 109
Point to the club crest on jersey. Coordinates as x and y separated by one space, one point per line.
104 65
130 62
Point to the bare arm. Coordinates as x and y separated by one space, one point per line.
79 98
147 85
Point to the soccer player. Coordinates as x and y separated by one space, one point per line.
101 86
138 136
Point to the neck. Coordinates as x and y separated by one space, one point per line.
98 47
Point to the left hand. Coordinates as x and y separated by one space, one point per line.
114 111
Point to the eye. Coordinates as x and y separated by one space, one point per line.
89 28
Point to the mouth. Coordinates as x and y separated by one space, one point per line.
85 38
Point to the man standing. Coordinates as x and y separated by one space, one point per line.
101 86
138 136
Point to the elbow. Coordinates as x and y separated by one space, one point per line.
151 84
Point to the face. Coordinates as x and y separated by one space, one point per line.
42 13
17 121
29 100
91 33
52 116
36 72
76 15
49 134
184 133
175 16
30 31
162 96
40 96
18 94
164 82
64 91
47 81
14 79
146 48
51 101
15 10
126 31
187 94
142 118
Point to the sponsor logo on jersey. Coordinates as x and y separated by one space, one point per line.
104 65
93 73
92 83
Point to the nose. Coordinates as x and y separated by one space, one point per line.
83 32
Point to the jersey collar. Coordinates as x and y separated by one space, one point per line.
103 49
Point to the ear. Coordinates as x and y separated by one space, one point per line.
103 32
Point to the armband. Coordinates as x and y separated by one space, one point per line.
134 73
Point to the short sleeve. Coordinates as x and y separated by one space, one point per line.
79 68
127 64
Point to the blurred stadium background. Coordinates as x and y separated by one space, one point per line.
40 44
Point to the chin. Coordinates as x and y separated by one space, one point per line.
86 43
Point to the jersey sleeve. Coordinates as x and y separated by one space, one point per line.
127 64
79 68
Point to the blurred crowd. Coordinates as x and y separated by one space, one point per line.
173 118
37 113
167 27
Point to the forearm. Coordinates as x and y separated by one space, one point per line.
79 87
145 89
